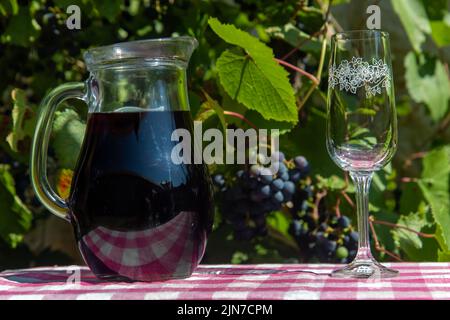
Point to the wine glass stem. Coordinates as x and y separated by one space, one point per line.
362 180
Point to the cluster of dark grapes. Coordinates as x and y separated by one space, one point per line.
321 235
252 193
247 198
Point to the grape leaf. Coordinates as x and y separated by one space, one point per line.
254 79
232 35
416 247
384 233
109 9
336 2
254 117
411 197
243 80
295 37
443 256
261 123
22 123
334 183
441 31
21 29
204 113
68 131
8 7
63 4
15 217
439 15
434 184
280 222
311 19
427 82
210 107
414 19
407 239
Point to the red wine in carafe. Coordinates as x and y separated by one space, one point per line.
138 215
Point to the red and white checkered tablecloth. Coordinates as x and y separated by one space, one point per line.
265 281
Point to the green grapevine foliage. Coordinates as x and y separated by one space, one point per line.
260 64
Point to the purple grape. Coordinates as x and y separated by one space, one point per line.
282 168
289 187
266 178
278 156
265 191
295 175
278 196
284 176
278 184
354 236
330 246
343 222
257 190
302 164
219 180
240 173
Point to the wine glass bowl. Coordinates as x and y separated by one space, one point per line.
361 125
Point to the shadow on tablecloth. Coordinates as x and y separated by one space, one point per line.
251 271
52 275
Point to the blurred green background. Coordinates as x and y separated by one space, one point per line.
410 204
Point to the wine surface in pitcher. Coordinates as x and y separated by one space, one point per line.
137 215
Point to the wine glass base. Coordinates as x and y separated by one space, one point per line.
364 269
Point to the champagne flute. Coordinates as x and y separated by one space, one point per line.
361 126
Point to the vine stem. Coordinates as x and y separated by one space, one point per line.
331 18
444 124
378 247
337 208
299 7
322 30
348 199
408 179
299 70
318 75
240 116
315 79
346 179
290 53
315 34
418 155
394 225
319 197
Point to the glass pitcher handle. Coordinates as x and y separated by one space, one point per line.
45 193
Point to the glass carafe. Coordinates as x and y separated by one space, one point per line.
136 214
